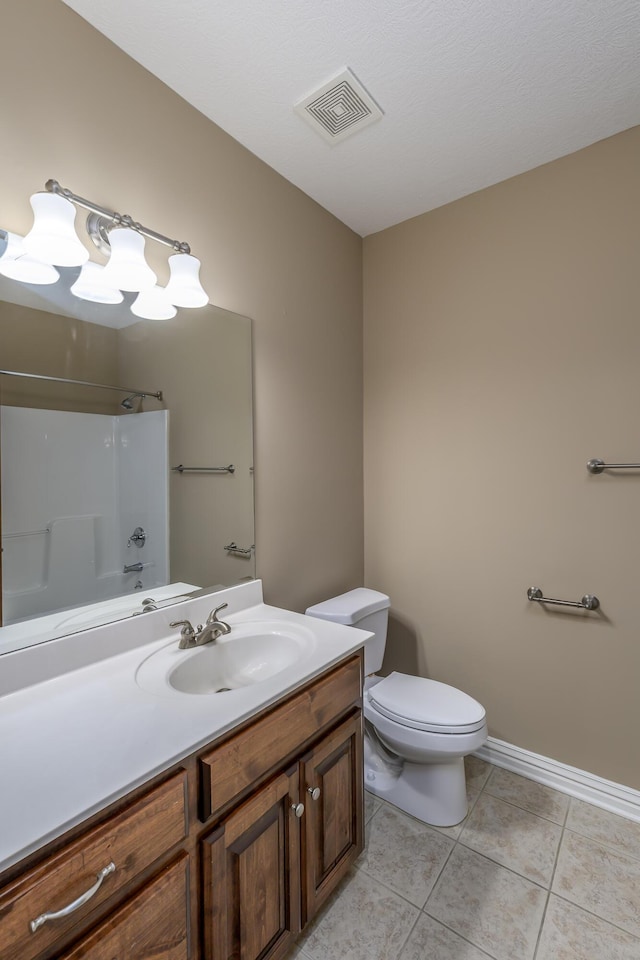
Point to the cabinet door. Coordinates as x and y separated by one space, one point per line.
251 881
332 789
152 925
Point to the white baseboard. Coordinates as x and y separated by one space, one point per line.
577 783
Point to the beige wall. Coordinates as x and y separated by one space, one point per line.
502 351
209 425
56 346
78 110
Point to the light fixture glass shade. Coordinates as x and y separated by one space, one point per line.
153 304
184 288
52 238
90 285
127 268
18 265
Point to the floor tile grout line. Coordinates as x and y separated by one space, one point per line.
456 841
504 866
408 936
486 779
424 909
519 806
613 848
553 873
570 797
467 843
457 933
535 782
396 893
460 842
440 872
597 916
541 883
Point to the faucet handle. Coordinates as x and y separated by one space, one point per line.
187 627
213 616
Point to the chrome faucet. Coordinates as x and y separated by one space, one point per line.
188 633
191 636
214 628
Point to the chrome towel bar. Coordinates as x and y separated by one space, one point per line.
597 466
181 469
588 602
243 551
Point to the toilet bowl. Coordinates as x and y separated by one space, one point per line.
417 731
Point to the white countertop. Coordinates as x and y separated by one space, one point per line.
83 733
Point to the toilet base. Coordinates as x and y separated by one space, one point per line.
435 793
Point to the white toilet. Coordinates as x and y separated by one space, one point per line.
417 731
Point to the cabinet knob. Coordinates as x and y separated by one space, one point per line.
315 792
298 809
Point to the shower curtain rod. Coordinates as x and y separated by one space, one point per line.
84 383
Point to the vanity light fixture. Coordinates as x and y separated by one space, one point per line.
53 238
127 268
184 289
92 285
16 264
153 304
53 241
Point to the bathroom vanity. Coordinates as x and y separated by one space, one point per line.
228 848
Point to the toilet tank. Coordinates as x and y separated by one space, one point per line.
362 608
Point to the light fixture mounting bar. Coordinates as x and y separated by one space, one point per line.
118 219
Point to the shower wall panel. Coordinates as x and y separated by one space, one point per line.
74 487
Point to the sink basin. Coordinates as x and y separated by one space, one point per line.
252 653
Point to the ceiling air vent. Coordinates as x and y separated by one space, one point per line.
339 108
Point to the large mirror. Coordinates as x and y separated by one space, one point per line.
110 499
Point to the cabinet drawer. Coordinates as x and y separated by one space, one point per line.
130 840
154 923
230 769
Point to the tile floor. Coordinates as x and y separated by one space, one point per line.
531 874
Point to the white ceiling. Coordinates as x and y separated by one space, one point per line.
473 91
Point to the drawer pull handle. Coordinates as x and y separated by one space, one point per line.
298 809
80 902
315 792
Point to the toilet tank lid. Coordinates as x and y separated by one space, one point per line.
350 607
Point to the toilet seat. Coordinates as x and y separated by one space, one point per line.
427 705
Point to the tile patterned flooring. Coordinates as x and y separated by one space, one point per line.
531 874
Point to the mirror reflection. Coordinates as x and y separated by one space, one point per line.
112 497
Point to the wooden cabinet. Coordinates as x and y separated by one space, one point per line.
152 924
231 769
225 856
271 863
251 874
333 821
48 903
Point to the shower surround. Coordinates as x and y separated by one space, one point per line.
74 488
